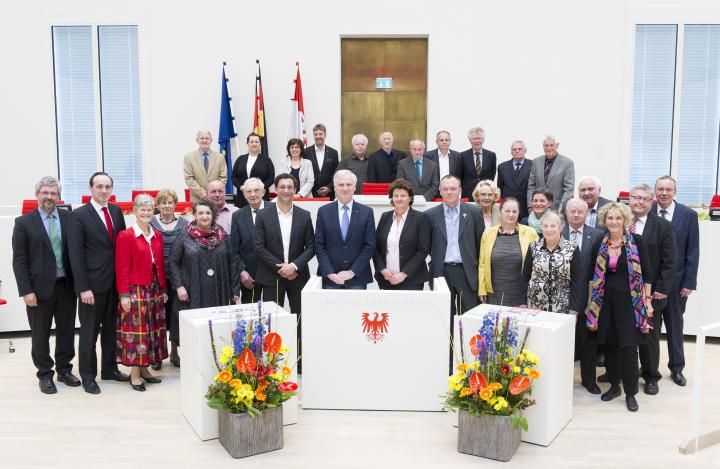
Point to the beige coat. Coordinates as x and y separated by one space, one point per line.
195 176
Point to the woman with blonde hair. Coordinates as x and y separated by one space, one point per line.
486 195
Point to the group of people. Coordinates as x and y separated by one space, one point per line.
622 269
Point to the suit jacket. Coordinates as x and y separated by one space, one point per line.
456 166
354 253
659 237
513 184
469 234
561 180
687 238
470 178
134 261
33 255
379 170
263 169
601 201
306 180
92 254
414 246
592 237
269 244
428 184
196 178
324 175
242 240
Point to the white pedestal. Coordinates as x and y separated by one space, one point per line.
402 368
198 366
552 339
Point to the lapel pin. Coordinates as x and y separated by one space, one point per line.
464 215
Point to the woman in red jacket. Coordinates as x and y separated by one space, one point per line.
140 271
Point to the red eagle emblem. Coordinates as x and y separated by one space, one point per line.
375 328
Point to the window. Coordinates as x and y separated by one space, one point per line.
695 109
115 116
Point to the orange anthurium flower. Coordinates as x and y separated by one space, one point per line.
518 385
473 344
272 343
246 362
477 381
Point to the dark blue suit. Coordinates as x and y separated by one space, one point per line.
687 237
354 253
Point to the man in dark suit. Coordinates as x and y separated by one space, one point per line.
513 176
345 238
659 238
554 172
44 279
589 190
324 160
687 236
586 238
92 231
448 161
382 165
454 253
478 163
242 236
420 172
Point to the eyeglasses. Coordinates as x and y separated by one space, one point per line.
637 198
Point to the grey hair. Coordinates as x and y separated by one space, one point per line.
553 215
48 181
142 200
252 182
418 141
344 173
591 178
551 137
576 201
203 131
518 141
358 137
476 130
642 187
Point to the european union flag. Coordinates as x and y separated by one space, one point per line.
227 130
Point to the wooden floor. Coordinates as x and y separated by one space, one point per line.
123 428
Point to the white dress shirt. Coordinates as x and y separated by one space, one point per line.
443 164
254 212
640 225
250 163
285 220
99 209
670 211
392 258
320 156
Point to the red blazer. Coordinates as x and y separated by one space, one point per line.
133 264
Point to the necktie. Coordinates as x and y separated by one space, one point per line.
206 161
345 222
574 236
517 167
418 169
108 224
548 167
633 225
663 214
592 218
54 233
478 163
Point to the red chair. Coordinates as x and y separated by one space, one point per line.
29 205
152 193
126 207
312 199
624 197
86 199
715 202
183 207
375 188
187 195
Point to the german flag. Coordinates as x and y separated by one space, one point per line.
259 117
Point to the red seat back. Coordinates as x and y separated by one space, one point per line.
151 193
375 188
311 199
86 199
715 202
29 205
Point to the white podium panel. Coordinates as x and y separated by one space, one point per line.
198 368
373 349
552 339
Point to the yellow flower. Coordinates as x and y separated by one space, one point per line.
462 367
465 392
526 370
276 377
485 394
516 369
456 381
286 371
224 376
532 358
474 365
234 383
284 349
226 354
500 404
522 357
534 374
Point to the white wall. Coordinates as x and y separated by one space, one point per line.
520 69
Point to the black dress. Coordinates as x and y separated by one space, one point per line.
210 277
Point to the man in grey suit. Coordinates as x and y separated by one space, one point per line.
420 172
585 238
554 172
448 161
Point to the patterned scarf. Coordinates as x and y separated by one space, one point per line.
207 239
534 222
592 312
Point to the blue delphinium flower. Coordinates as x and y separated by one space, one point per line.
512 332
487 331
482 351
258 338
239 339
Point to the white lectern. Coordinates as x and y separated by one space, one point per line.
198 368
552 339
375 349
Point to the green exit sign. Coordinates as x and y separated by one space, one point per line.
384 83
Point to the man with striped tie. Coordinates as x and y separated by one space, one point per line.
44 279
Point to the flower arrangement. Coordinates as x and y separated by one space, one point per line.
253 373
498 379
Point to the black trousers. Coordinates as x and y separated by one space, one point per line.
251 295
463 297
293 290
674 323
98 319
60 306
621 363
586 342
650 352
